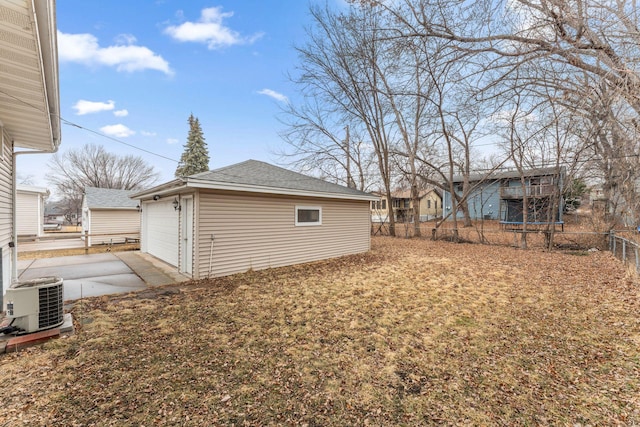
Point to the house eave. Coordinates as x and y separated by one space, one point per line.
29 86
28 189
170 187
179 185
511 174
119 208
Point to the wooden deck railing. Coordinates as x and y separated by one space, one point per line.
531 191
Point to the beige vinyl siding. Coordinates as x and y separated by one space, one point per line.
432 209
28 214
113 225
257 232
6 196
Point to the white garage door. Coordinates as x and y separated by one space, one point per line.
160 230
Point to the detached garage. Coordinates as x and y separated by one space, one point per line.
30 210
251 215
110 216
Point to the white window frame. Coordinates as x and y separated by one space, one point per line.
308 208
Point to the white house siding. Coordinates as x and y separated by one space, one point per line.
257 232
113 225
28 214
6 197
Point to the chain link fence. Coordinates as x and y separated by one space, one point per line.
623 244
625 250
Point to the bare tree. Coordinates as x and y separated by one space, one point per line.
586 51
340 75
93 166
25 179
322 142
600 38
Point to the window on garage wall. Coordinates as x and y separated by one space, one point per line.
308 215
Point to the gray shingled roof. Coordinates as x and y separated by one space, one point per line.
256 173
107 198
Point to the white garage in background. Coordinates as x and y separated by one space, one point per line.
160 230
109 216
30 210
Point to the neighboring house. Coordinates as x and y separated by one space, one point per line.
110 216
62 212
500 197
53 214
251 215
29 105
430 206
30 210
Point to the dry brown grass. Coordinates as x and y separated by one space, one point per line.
412 333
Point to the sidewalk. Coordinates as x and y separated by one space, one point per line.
151 270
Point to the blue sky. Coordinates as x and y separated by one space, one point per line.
135 70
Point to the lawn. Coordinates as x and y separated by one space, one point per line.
413 333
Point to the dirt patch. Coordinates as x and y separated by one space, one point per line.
413 333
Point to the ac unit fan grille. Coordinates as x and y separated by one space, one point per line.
51 309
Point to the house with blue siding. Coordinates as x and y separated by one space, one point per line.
500 196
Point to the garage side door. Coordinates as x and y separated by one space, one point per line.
160 231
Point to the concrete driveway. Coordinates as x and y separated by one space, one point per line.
101 274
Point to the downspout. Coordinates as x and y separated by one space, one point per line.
1 266
14 226
45 65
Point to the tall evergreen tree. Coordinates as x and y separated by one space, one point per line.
195 158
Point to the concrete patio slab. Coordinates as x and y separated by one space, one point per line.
77 271
105 285
68 260
101 274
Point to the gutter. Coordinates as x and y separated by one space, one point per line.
229 186
177 185
160 190
48 55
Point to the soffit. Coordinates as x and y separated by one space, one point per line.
29 105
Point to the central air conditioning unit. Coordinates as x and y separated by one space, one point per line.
35 305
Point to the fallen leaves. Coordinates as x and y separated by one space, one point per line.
414 332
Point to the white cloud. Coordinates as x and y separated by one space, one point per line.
172 141
121 113
126 39
118 131
83 106
124 56
145 133
211 30
273 94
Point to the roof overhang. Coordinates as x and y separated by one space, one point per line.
114 208
495 176
29 189
29 86
179 185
